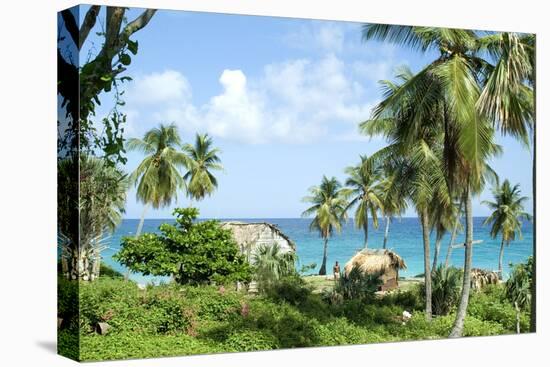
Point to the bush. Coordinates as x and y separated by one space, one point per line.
194 252
250 340
357 285
446 288
410 299
518 286
107 271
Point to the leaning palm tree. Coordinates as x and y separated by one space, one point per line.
393 200
157 177
507 215
445 93
365 188
329 208
202 160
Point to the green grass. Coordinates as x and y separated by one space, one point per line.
172 320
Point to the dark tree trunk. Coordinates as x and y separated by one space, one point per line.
427 273
323 270
458 326
386 232
500 257
436 252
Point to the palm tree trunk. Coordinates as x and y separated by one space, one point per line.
366 230
500 257
427 273
458 326
140 225
138 232
386 231
453 237
323 270
450 247
436 252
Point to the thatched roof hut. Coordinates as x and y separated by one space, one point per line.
481 278
377 261
251 235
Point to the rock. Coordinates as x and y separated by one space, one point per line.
141 286
103 328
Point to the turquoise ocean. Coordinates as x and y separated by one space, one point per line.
405 238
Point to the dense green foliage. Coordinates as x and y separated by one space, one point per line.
357 285
171 319
193 252
270 264
518 286
446 283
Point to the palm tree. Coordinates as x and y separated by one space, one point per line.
101 200
272 264
202 160
157 177
366 190
457 227
414 155
329 207
506 217
393 200
448 88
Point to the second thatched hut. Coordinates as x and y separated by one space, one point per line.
377 261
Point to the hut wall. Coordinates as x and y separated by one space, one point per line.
389 279
269 237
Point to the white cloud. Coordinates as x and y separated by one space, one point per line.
160 87
295 101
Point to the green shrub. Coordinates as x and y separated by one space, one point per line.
358 285
518 286
194 252
492 305
446 287
211 304
410 299
250 340
107 271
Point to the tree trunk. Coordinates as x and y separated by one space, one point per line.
323 270
366 230
500 257
138 232
386 232
453 237
458 326
427 273
140 225
436 252
518 329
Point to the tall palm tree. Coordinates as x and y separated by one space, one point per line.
457 227
329 207
365 188
414 153
393 200
506 217
450 87
202 159
157 177
508 99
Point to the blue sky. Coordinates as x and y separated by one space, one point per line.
281 97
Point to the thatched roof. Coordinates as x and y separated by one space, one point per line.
375 261
481 278
249 233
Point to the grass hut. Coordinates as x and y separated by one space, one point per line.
480 278
376 261
251 235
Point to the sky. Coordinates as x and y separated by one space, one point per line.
281 97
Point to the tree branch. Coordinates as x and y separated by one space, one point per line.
136 25
88 24
70 24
